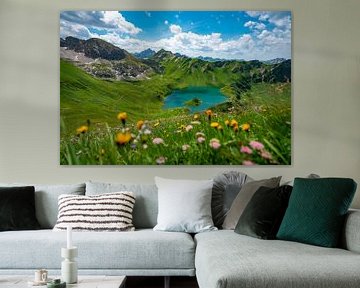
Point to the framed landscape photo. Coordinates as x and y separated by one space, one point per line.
175 88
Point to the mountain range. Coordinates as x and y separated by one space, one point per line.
145 54
107 61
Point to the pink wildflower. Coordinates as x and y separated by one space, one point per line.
188 128
248 163
246 149
200 139
161 160
185 147
266 155
215 143
158 141
256 145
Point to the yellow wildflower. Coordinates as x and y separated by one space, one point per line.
220 128
209 113
123 138
82 129
233 123
214 124
122 116
227 123
139 124
245 127
196 116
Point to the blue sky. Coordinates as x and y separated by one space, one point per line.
245 35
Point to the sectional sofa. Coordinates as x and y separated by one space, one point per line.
219 259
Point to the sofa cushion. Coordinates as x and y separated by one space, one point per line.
142 249
243 198
17 208
105 212
263 215
146 205
225 259
225 189
184 205
350 239
46 200
317 209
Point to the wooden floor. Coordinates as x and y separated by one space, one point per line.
158 282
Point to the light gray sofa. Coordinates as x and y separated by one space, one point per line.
226 259
143 252
220 259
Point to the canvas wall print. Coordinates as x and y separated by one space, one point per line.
175 88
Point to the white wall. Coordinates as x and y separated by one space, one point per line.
326 91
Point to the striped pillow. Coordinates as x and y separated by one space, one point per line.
105 212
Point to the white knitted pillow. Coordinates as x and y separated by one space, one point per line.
105 212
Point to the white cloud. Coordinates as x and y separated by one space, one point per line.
75 30
278 18
114 18
107 21
130 44
249 24
175 29
255 25
264 34
166 22
253 13
261 15
264 17
282 22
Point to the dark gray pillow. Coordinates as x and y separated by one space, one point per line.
226 187
263 215
17 209
243 198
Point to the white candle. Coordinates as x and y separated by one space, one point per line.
69 237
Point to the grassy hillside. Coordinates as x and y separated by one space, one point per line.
84 97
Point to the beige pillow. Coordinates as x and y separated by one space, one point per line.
243 198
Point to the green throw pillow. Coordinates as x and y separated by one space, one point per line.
316 211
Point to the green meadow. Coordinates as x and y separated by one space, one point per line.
252 127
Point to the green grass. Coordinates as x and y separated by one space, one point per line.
84 97
266 107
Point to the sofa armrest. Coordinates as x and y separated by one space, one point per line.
351 234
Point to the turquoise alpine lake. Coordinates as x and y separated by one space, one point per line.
208 96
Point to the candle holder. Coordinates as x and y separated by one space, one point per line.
69 271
